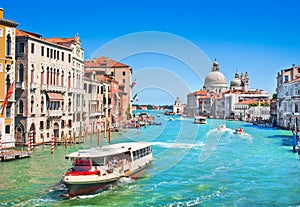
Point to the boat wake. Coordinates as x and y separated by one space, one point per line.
178 145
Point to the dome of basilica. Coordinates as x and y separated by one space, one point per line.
215 79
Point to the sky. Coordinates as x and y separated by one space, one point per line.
171 45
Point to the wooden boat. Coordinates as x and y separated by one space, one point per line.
199 119
239 131
93 170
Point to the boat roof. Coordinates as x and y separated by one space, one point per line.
107 150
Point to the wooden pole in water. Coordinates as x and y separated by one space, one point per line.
52 144
31 140
28 142
108 134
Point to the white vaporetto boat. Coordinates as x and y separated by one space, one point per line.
94 169
199 119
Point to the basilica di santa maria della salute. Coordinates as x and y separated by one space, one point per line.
217 100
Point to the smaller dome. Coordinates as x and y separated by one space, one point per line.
236 82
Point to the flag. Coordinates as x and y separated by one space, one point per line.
135 97
133 83
8 95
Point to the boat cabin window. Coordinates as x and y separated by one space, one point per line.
82 164
117 160
141 153
98 161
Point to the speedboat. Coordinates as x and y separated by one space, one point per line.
93 170
222 127
199 119
239 130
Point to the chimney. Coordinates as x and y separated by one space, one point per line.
1 13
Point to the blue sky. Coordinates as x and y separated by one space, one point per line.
260 37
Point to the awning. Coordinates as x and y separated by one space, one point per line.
55 96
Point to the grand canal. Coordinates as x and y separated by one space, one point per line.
195 165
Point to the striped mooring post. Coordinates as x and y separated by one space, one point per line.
52 144
28 142
31 140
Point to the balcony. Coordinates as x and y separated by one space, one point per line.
54 113
47 87
20 85
33 86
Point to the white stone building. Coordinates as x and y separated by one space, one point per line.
49 87
288 97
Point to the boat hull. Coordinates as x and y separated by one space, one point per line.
87 189
76 189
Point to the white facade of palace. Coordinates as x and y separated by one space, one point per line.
288 97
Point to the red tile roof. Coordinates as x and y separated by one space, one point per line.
103 62
22 33
59 40
246 102
201 92
295 80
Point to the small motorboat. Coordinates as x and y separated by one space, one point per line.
222 127
239 130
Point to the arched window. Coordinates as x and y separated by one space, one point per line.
69 105
42 104
21 72
8 45
7 129
62 79
42 75
32 104
32 74
48 75
21 107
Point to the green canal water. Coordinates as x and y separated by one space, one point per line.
195 165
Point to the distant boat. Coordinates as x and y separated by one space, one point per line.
222 127
239 131
199 119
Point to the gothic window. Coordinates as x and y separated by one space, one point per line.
21 107
32 48
21 72
7 129
8 45
32 104
21 47
42 75
41 125
69 105
32 74
42 104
